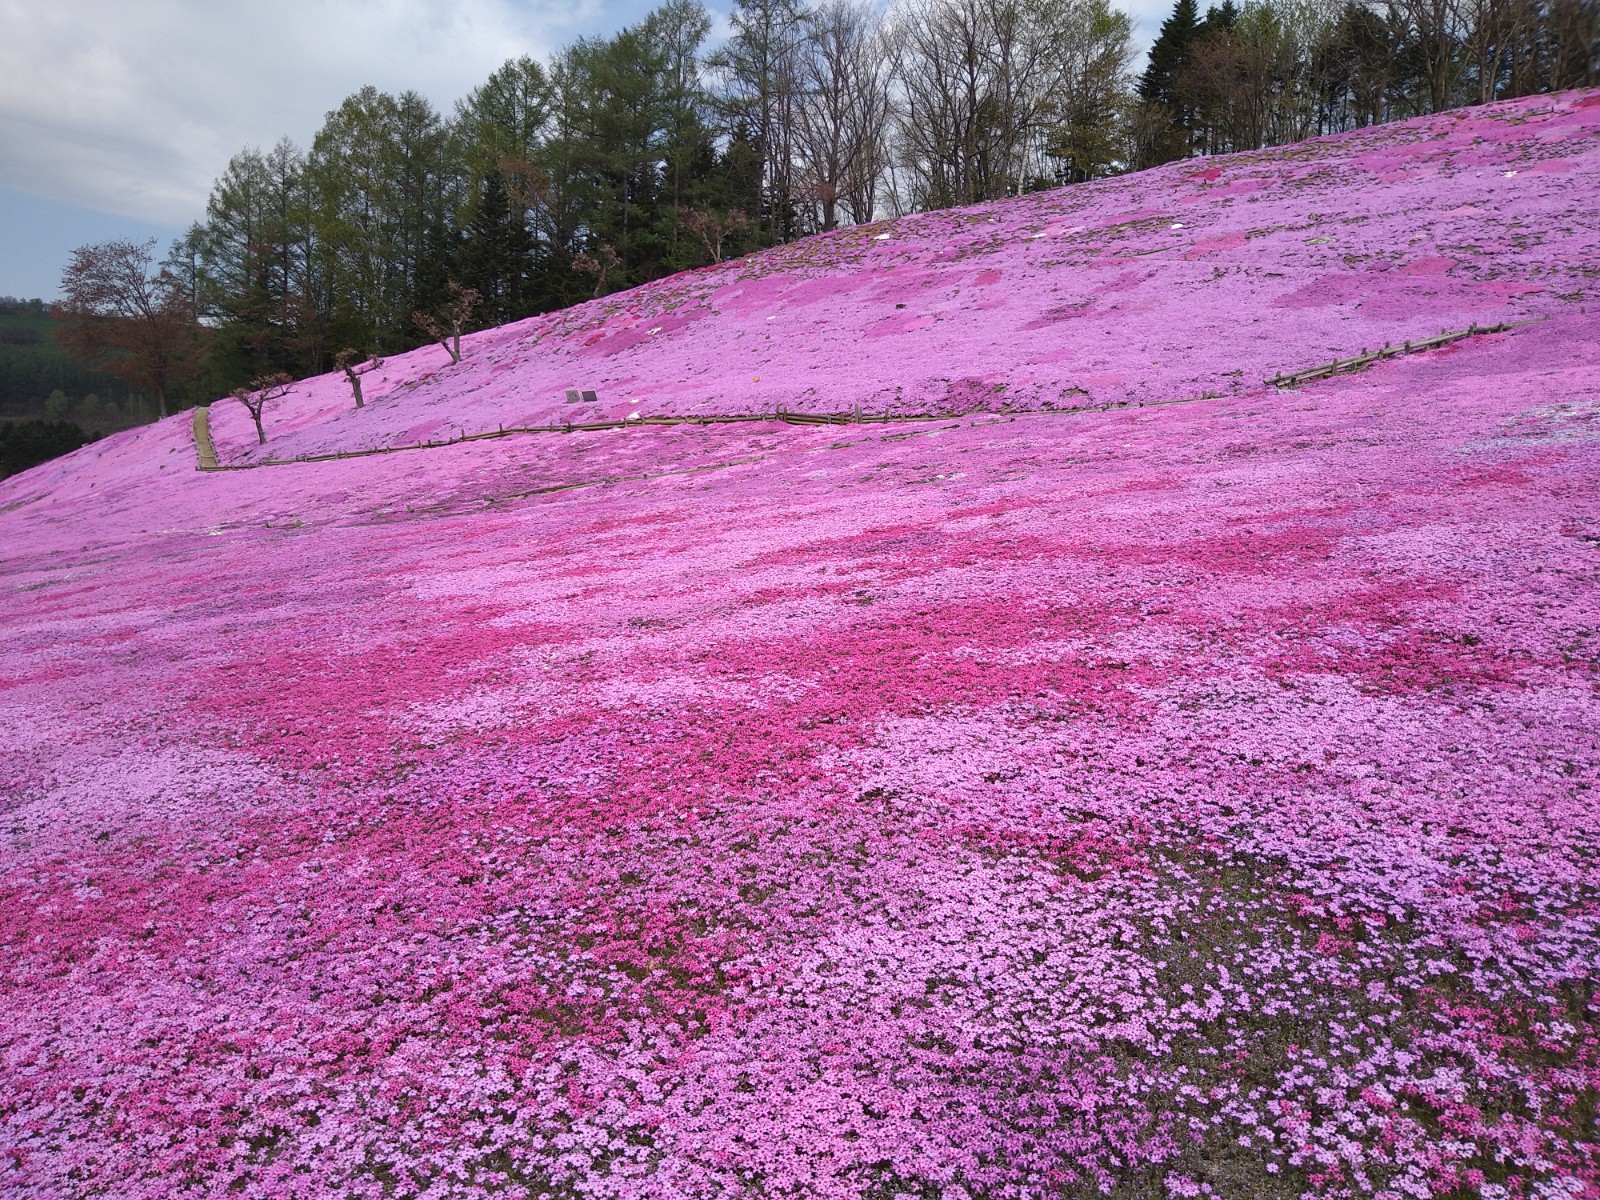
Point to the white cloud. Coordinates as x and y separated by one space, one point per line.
133 107
128 110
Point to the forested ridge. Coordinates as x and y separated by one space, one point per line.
39 379
626 158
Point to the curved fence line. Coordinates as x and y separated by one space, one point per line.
203 448
206 457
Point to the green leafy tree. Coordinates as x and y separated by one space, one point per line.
386 181
253 276
1088 110
1359 68
506 118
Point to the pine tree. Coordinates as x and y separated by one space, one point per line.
1159 85
1169 53
1220 18
494 254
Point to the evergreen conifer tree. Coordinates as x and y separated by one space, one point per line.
1169 53
1159 86
494 255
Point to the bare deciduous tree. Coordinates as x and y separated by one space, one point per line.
985 84
354 364
447 327
123 313
759 70
1437 29
842 113
255 397
599 264
711 229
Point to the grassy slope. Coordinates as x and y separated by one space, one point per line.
1180 800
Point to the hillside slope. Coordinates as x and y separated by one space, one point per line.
1105 292
1194 799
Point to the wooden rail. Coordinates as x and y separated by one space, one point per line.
207 460
1340 366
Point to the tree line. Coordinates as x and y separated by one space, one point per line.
626 158
38 379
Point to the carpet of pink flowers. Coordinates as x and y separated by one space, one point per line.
1190 800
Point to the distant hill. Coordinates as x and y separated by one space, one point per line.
27 443
39 380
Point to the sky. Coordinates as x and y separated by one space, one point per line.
116 116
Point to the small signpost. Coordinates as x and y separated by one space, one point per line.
588 396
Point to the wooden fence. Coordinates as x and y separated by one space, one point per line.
206 458
1340 366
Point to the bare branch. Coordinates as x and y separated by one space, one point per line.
447 327
255 397
354 364
599 265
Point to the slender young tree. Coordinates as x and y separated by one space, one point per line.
447 326
713 229
354 364
261 391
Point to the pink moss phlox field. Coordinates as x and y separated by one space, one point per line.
1191 800
1101 294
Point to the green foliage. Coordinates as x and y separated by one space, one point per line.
1170 53
387 183
1169 134
1088 136
38 378
25 444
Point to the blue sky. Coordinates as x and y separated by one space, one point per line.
117 115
